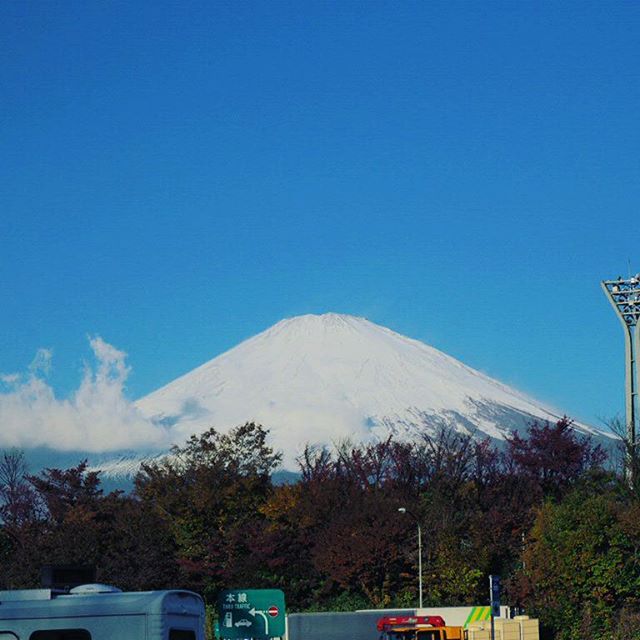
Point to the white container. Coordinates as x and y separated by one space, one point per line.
507 629
529 627
476 632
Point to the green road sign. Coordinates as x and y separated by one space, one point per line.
251 613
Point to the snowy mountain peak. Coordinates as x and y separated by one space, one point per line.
329 319
322 378
317 324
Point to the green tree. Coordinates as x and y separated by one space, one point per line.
581 564
211 492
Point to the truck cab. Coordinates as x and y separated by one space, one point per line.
417 628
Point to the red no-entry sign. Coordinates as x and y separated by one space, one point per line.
273 611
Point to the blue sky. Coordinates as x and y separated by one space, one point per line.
176 177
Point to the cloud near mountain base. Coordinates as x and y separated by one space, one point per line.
97 417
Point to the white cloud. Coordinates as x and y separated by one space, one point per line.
96 417
10 378
42 362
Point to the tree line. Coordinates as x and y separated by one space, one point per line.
549 512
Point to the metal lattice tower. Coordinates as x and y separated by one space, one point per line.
624 296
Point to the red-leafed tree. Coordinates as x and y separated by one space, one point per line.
552 457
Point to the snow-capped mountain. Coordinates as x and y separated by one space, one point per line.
322 378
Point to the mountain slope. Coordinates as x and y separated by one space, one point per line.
319 379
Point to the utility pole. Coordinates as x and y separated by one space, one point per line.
494 595
624 296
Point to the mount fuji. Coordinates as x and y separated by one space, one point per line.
322 378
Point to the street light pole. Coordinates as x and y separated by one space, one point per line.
624 296
405 510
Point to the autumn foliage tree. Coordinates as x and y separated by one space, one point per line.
544 511
552 457
63 517
20 528
211 491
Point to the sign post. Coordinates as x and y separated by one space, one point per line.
494 592
251 613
